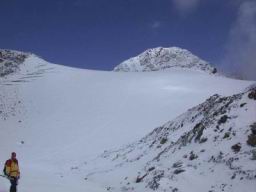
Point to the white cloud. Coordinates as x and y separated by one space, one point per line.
240 56
241 47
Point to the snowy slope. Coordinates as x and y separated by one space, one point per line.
57 117
165 58
211 147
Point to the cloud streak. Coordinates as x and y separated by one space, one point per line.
240 58
186 6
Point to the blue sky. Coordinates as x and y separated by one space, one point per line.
99 34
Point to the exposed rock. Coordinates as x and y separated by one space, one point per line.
254 154
163 141
192 156
203 140
140 178
226 135
253 128
177 164
10 61
156 177
198 130
251 140
236 148
178 171
242 104
252 94
151 169
223 119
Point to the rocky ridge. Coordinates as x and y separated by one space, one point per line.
165 58
214 142
10 61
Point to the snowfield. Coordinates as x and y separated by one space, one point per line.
60 120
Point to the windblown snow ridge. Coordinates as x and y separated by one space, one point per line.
165 58
211 147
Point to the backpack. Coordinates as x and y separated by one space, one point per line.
4 170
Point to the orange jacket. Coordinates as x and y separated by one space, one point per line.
12 168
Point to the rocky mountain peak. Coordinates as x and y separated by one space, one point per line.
160 58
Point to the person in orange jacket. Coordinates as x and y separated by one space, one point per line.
12 171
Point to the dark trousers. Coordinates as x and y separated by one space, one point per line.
14 183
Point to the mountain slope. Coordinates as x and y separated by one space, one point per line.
165 58
211 147
57 117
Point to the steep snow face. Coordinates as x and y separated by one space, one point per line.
10 61
211 147
165 58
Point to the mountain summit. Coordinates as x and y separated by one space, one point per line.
160 58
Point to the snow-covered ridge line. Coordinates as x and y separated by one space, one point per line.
20 67
213 142
165 58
